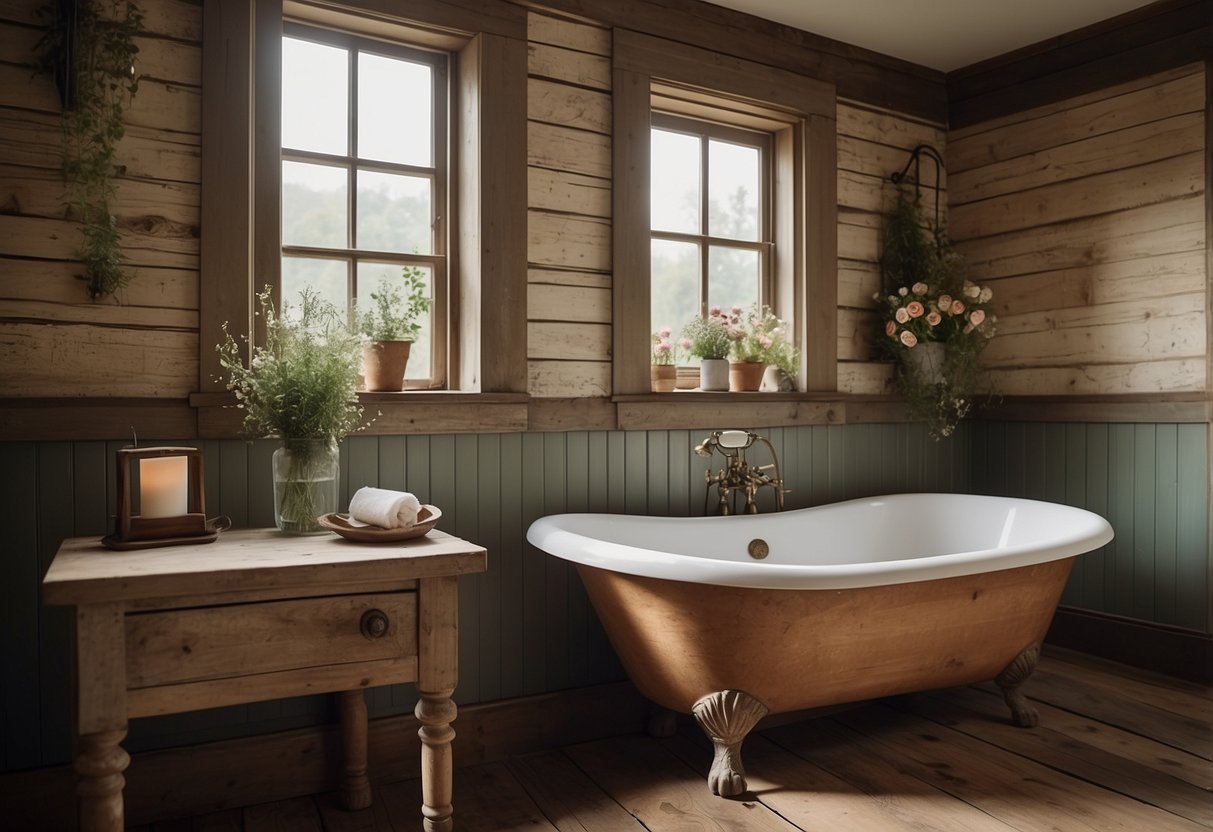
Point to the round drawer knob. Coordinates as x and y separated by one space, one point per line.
374 624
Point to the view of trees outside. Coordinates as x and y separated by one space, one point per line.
733 191
393 209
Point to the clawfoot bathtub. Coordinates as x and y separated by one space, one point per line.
731 618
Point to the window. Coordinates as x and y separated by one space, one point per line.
710 216
686 234
364 176
304 184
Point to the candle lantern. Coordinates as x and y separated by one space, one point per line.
171 502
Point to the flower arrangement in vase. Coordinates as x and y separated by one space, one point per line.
935 323
299 387
392 322
663 372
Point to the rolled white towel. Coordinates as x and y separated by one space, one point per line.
384 508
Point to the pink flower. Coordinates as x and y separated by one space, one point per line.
908 338
976 317
665 332
662 348
890 329
915 309
714 311
766 342
919 288
958 307
736 310
945 303
735 333
685 343
901 315
933 318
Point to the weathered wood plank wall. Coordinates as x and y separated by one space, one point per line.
54 340
872 145
1087 219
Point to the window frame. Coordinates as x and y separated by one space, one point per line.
353 164
707 131
487 264
651 72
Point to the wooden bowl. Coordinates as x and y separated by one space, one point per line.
340 523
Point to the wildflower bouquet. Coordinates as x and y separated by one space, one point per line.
760 338
708 338
927 301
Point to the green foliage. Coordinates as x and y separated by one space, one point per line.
393 317
100 82
709 337
302 384
926 299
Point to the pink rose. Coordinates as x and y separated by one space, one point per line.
933 318
901 315
976 317
958 307
919 288
915 309
945 303
890 329
908 338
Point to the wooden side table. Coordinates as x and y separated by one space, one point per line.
260 615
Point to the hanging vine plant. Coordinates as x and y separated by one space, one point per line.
90 49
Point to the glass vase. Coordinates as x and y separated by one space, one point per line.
305 484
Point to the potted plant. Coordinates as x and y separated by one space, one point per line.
758 342
935 323
301 388
663 372
708 339
392 323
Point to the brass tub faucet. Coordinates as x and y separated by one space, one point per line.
738 476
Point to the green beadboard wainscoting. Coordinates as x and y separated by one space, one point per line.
525 625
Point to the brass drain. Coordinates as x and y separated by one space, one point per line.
758 548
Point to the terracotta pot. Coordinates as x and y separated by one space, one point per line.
383 364
688 378
663 377
745 376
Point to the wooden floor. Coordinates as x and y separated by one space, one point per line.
1116 749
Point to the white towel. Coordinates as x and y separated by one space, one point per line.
384 508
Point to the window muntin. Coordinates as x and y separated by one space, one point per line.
364 176
711 224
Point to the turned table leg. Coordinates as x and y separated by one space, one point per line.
355 785
100 761
436 712
1011 680
726 717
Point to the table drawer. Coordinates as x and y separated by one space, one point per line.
186 645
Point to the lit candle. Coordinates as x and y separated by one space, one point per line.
163 486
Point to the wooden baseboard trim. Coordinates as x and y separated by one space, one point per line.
1174 651
177 782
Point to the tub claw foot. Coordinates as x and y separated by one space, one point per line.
1023 713
726 717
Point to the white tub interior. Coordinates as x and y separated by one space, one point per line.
873 541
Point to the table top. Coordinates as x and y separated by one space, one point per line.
86 572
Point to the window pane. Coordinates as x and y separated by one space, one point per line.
674 193
315 96
733 190
675 284
328 278
314 205
733 277
395 110
394 213
369 277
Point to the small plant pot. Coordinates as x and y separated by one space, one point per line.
746 376
925 361
663 377
383 364
688 378
714 374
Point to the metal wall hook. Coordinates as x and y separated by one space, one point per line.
916 160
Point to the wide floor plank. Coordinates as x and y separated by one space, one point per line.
570 799
296 815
